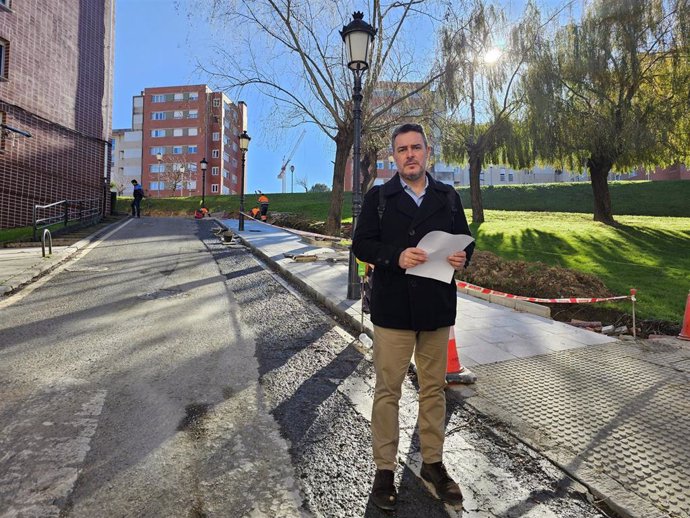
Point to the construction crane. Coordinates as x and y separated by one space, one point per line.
282 176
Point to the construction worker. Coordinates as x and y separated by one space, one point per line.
263 203
254 213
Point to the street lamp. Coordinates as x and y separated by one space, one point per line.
204 165
182 180
358 37
292 178
159 157
244 146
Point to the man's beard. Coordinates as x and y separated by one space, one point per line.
412 177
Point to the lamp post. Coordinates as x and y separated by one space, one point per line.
181 181
358 37
244 146
159 157
292 178
204 165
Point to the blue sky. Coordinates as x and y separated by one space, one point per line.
165 53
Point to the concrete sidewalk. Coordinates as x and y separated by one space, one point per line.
614 415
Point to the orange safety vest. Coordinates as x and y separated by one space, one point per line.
263 199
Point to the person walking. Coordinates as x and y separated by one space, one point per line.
409 313
138 193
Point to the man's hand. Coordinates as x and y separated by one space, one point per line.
412 257
457 260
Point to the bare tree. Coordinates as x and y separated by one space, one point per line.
303 182
292 53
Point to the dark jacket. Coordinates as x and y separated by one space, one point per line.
138 192
401 301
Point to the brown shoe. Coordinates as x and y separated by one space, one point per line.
445 487
383 492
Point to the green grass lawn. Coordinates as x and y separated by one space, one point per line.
651 254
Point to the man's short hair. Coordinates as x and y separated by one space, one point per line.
406 128
134 181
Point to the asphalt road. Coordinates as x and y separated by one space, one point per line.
167 374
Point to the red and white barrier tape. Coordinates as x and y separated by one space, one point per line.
571 300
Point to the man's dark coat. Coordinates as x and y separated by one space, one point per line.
401 301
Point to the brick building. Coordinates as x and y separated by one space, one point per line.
56 68
180 126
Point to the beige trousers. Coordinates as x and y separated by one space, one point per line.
392 353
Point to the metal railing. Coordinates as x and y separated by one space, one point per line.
65 212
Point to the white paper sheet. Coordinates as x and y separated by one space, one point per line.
439 245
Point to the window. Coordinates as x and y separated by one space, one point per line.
157 168
191 167
179 97
177 150
234 178
216 103
226 157
158 116
510 176
177 114
178 132
193 96
192 132
4 51
216 135
214 187
193 114
503 177
6 4
214 170
391 165
226 173
215 153
158 98
192 149
158 149
156 186
234 163
234 146
379 164
158 133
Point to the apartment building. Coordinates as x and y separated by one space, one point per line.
56 70
126 153
180 126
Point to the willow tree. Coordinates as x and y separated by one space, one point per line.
607 93
292 53
479 87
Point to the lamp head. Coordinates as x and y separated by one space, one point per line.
358 36
244 141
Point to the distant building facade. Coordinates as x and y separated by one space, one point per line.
181 125
126 153
55 105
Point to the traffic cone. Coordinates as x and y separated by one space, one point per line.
685 332
455 372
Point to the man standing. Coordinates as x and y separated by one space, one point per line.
138 194
409 313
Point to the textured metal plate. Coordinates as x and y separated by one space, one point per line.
620 410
